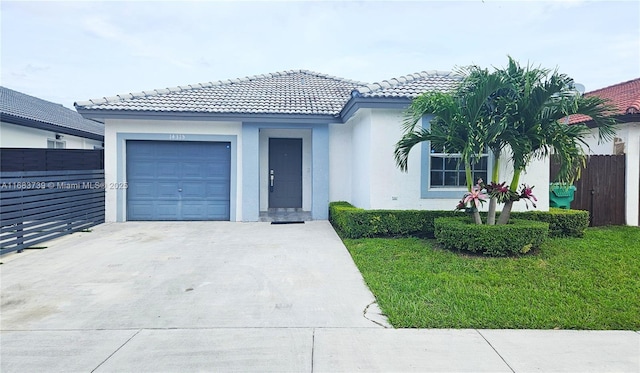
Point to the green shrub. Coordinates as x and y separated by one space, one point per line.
562 223
352 222
517 237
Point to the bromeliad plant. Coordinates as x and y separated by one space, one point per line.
472 200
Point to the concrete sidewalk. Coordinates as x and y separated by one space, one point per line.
319 350
219 296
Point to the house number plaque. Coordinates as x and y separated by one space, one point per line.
177 136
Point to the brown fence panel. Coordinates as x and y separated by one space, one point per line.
601 189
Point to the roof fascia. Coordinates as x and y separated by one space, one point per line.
232 117
356 103
12 119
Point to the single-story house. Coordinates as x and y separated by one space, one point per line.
245 149
625 97
30 122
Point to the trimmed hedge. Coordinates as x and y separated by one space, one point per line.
353 222
517 237
562 223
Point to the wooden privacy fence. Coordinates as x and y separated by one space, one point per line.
600 189
37 206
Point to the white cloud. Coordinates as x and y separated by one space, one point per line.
96 49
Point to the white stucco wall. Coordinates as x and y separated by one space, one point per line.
305 135
14 136
361 170
168 130
340 161
629 133
377 183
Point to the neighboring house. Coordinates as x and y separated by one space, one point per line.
30 122
290 141
625 97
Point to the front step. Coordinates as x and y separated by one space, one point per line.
285 215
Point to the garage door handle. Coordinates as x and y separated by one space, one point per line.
180 190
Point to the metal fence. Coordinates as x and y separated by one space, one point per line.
37 206
30 159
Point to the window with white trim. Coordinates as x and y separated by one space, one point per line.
443 175
56 144
447 171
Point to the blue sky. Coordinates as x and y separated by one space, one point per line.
72 51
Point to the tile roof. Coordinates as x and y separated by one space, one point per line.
286 92
625 97
411 86
20 105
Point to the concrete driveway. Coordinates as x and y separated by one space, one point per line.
186 275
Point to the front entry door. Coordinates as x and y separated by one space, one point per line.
285 173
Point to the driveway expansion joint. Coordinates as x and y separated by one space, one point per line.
494 349
116 351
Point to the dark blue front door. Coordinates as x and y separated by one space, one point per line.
285 173
178 180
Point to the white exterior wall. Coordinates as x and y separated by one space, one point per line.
305 135
376 181
340 161
116 199
14 136
629 133
361 170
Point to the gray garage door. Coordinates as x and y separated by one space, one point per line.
178 180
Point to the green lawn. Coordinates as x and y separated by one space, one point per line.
572 283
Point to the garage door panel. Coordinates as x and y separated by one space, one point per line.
214 190
193 190
209 211
167 190
143 209
167 169
166 210
178 180
140 190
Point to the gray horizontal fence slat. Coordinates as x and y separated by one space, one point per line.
47 178
11 230
53 199
26 235
29 215
46 215
74 227
9 203
52 216
47 211
58 226
27 174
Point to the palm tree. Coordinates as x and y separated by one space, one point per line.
534 110
460 124
520 111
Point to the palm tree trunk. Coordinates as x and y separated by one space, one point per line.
476 217
506 210
506 213
491 215
493 202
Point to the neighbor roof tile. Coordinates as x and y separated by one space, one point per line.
21 105
625 98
